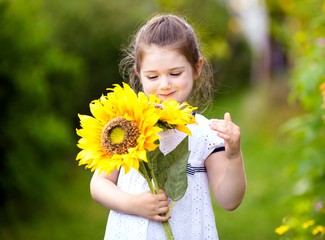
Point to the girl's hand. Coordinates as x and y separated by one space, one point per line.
230 132
152 206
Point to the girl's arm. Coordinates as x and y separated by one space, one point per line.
104 191
225 169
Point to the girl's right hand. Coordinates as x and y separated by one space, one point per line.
152 206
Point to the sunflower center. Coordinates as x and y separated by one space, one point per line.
159 106
119 135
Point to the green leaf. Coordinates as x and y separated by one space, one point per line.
159 164
145 171
170 169
176 184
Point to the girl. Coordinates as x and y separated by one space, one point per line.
164 60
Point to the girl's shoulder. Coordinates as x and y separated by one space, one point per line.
202 126
200 118
203 135
202 138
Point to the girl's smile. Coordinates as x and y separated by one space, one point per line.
166 95
166 73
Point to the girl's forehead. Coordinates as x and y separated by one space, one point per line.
161 57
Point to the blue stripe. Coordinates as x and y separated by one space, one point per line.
192 170
219 149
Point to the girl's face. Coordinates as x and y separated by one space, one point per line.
167 74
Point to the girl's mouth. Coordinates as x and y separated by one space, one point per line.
166 95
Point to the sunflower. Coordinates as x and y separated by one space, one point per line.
122 129
175 115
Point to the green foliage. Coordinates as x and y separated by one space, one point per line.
170 169
36 119
300 26
54 57
95 30
176 183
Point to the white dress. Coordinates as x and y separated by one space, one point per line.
192 216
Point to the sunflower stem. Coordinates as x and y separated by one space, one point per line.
165 224
168 230
147 177
154 180
170 208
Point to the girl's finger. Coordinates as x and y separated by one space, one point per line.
217 124
223 136
221 126
163 210
162 195
161 218
227 117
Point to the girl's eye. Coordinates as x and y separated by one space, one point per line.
152 77
176 74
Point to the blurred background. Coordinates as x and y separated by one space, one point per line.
269 62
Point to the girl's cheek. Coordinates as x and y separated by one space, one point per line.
148 90
151 88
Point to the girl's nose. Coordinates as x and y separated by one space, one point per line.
165 83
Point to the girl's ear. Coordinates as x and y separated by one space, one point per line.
198 68
136 72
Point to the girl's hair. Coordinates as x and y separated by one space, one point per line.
173 32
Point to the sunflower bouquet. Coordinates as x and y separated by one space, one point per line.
124 132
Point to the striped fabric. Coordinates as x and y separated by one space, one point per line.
192 170
218 149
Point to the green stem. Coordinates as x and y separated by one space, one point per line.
165 224
168 234
153 177
170 208
146 176
168 225
168 230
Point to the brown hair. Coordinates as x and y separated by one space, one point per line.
173 32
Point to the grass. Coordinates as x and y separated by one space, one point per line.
259 112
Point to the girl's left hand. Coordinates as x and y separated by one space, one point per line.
230 132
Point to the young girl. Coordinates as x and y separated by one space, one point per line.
164 60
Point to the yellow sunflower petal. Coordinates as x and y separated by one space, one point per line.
184 129
119 102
